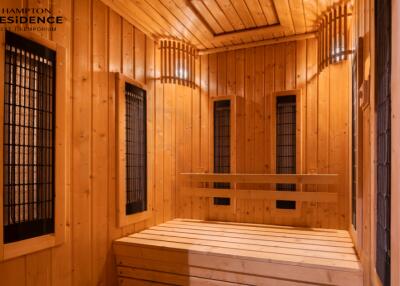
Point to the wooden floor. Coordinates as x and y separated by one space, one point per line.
190 252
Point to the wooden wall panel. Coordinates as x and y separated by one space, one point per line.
99 43
259 73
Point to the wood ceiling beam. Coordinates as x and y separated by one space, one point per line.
259 43
239 35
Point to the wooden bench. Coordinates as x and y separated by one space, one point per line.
191 252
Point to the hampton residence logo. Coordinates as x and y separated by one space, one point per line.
29 19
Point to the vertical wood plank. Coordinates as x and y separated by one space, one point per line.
151 49
128 57
240 124
259 126
140 56
81 141
38 271
100 142
221 74
269 83
8 271
61 256
159 146
290 68
197 204
213 75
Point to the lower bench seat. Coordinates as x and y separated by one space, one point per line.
191 252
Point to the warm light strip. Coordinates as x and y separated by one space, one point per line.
177 62
333 35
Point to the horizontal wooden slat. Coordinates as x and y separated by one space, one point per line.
273 237
170 278
244 246
245 254
262 267
324 179
267 227
137 282
322 197
208 273
248 240
260 231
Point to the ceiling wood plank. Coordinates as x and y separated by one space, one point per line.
298 16
257 13
161 21
311 13
284 14
173 21
231 13
191 23
269 11
243 13
134 16
207 16
219 15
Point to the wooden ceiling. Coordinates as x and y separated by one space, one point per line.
210 24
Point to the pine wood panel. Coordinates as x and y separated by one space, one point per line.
259 73
98 42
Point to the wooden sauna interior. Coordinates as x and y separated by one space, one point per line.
324 220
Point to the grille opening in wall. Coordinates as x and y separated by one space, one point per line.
222 145
286 144
29 136
136 154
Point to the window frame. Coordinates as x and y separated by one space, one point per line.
30 245
123 218
218 211
296 212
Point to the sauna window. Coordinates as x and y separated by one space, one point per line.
136 183
131 109
28 142
286 144
383 132
222 145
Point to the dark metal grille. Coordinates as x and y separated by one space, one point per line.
383 80
286 144
136 155
354 108
222 144
29 133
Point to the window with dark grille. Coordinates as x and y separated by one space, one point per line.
286 144
222 145
354 107
136 169
383 80
29 134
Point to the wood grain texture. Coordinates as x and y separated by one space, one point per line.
260 72
238 253
98 42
